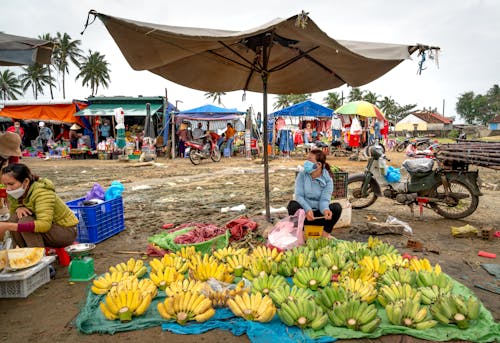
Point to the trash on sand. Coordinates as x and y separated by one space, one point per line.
464 231
275 210
238 208
141 187
394 220
486 254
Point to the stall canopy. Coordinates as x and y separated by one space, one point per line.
307 108
210 112
17 50
105 106
49 111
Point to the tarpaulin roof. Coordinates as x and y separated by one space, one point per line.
132 106
17 50
210 112
307 108
45 110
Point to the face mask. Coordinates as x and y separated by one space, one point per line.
16 193
309 167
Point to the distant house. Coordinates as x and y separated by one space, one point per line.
494 123
424 121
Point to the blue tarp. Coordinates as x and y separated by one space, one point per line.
166 122
210 112
307 108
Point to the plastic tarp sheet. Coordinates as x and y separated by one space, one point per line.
138 109
306 108
54 112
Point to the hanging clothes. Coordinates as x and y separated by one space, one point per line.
298 137
286 141
280 122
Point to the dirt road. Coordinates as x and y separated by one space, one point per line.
177 192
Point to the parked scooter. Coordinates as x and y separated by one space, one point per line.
203 150
422 144
452 193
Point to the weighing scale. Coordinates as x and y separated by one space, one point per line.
81 267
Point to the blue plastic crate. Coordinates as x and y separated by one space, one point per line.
98 222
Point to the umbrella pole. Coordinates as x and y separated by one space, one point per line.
265 143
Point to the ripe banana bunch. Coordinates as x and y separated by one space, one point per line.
183 286
237 263
267 283
424 264
262 252
329 297
432 294
219 293
132 266
409 313
260 267
357 289
363 274
395 260
287 293
312 278
255 306
198 259
145 286
455 309
123 304
206 270
187 252
355 315
429 279
176 261
335 261
373 265
156 265
183 307
393 293
374 242
398 277
223 253
163 279
317 243
103 284
303 313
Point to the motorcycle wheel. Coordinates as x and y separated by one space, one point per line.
194 157
459 204
400 147
367 151
216 155
354 196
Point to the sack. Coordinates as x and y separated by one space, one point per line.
289 232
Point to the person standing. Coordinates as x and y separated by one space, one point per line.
16 128
182 134
104 130
229 136
74 135
198 132
45 134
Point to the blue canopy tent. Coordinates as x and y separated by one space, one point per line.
210 112
307 108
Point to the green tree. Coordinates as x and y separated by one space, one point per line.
49 38
66 51
215 96
37 77
10 87
466 107
493 95
401 111
371 97
332 100
355 94
94 71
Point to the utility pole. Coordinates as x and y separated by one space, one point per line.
443 107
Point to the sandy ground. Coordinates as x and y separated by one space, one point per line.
175 191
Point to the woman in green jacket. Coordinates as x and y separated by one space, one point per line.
38 217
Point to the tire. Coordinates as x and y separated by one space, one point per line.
194 157
367 151
455 208
216 155
354 185
400 147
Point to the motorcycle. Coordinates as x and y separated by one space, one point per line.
204 150
452 193
422 144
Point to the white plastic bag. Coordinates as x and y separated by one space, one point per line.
355 127
288 233
394 220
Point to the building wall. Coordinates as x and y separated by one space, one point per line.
494 126
421 126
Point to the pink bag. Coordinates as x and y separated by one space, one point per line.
288 233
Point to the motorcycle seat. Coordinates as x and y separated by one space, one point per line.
418 165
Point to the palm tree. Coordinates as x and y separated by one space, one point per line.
66 50
215 96
10 87
371 97
355 94
286 100
94 71
49 38
298 98
37 77
332 100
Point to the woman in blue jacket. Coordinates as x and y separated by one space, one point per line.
313 193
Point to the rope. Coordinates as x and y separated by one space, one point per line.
88 22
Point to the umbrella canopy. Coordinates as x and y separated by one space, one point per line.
306 108
283 56
17 50
361 108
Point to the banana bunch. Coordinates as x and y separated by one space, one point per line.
393 293
163 279
187 252
262 252
198 259
330 297
358 289
409 313
295 259
267 283
223 253
303 313
183 286
213 269
253 307
220 295
358 273
335 261
183 307
285 292
374 242
398 277
355 315
312 278
237 263
431 278
353 250
424 264
260 267
432 294
455 309
176 261
133 266
103 284
123 304
156 265
382 249
395 260
373 265
145 286
317 243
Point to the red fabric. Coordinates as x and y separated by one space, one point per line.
240 226
13 159
14 129
26 227
354 140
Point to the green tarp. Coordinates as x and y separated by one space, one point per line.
108 109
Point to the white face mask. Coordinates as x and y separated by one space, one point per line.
16 193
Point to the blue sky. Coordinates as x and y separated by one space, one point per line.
468 33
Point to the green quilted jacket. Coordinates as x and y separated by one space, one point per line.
46 206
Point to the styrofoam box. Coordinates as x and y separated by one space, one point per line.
21 283
345 217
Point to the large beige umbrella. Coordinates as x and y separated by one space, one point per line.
284 56
17 50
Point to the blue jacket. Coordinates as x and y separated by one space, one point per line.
314 194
